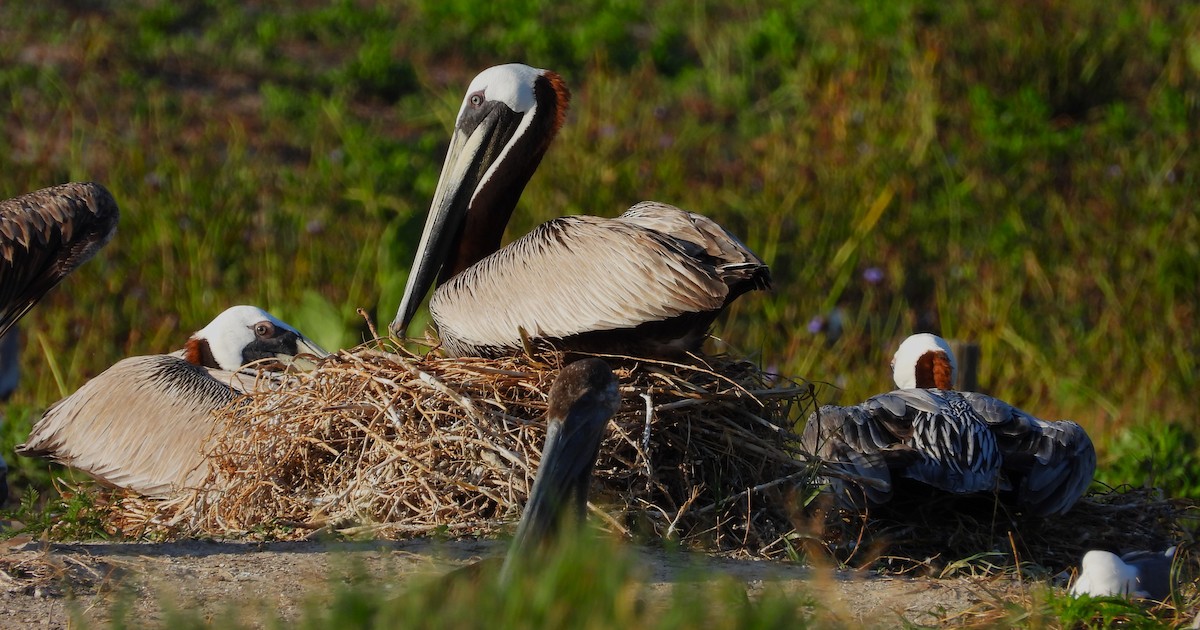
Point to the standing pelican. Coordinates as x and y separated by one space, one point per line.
44 235
146 422
649 282
960 442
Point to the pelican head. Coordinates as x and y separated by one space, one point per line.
582 399
1103 573
244 334
926 361
504 126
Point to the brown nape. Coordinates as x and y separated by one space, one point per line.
562 99
933 370
198 352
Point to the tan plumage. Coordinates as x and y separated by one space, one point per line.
141 424
655 263
649 282
146 423
46 234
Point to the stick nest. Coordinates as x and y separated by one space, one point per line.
945 535
381 441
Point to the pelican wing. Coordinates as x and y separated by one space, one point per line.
931 436
865 441
581 274
1054 461
142 424
46 234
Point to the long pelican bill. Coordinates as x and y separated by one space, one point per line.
468 162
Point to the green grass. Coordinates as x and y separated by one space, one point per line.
1022 174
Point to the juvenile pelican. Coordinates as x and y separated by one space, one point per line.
584 396
146 422
960 442
649 282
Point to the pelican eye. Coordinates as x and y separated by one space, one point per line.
264 329
477 100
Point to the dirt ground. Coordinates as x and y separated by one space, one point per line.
42 586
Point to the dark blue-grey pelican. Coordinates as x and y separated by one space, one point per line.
959 442
649 282
45 235
146 423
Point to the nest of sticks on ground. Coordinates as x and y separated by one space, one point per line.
944 535
386 443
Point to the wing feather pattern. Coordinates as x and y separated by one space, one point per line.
46 234
142 424
581 274
1051 462
927 435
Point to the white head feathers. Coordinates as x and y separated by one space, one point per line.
904 363
511 84
233 330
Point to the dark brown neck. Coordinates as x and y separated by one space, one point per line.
497 197
197 352
933 371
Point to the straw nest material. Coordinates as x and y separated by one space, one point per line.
944 535
387 443
382 441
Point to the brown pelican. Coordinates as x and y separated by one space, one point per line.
44 235
1144 574
145 423
649 282
960 442
584 396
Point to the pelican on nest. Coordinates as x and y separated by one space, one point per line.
958 442
649 282
145 423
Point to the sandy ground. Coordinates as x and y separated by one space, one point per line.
42 586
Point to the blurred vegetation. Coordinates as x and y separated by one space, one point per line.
1021 174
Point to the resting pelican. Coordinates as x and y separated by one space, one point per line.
960 442
1144 574
146 422
649 282
44 235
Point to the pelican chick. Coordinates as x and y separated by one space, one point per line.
958 442
648 283
146 423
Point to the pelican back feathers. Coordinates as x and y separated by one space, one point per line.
142 424
655 264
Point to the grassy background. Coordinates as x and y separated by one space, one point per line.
1021 174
